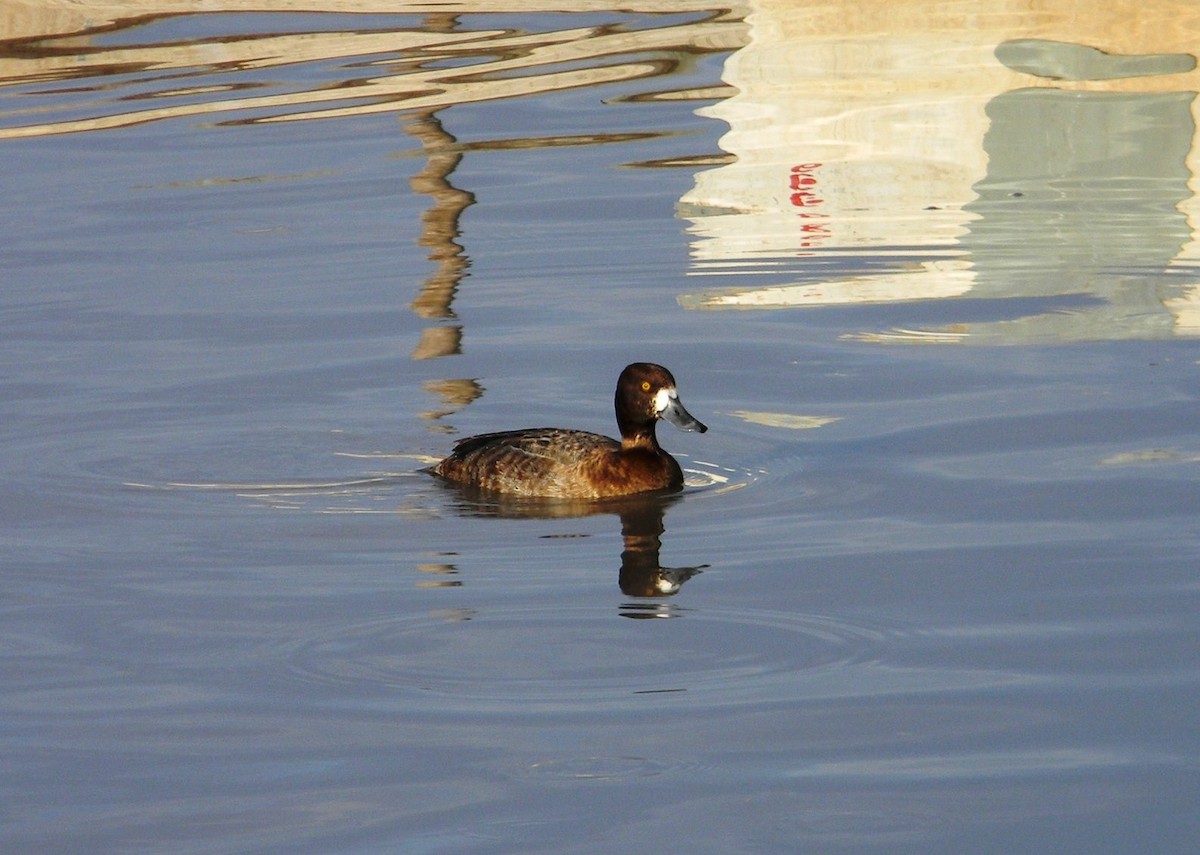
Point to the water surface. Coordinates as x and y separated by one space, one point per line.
929 274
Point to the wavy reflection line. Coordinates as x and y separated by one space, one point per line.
500 64
388 95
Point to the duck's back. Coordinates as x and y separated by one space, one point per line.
557 463
545 462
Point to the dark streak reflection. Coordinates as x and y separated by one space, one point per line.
441 235
440 232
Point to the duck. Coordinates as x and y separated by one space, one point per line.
557 463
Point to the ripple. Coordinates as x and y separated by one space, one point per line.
386 493
596 769
579 659
715 479
398 491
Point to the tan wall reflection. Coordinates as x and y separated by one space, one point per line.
863 129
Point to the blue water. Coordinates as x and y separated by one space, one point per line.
932 583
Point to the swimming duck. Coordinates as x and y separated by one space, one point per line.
555 463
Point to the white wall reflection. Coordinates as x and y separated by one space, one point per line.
929 151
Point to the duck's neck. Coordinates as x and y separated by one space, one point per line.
643 438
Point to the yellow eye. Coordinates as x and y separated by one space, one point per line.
645 385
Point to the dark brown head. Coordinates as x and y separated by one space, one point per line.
645 394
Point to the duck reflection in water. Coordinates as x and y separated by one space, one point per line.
641 574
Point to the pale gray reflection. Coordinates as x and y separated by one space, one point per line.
1064 61
641 572
879 161
1083 196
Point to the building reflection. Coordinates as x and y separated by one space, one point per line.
641 574
915 151
878 153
